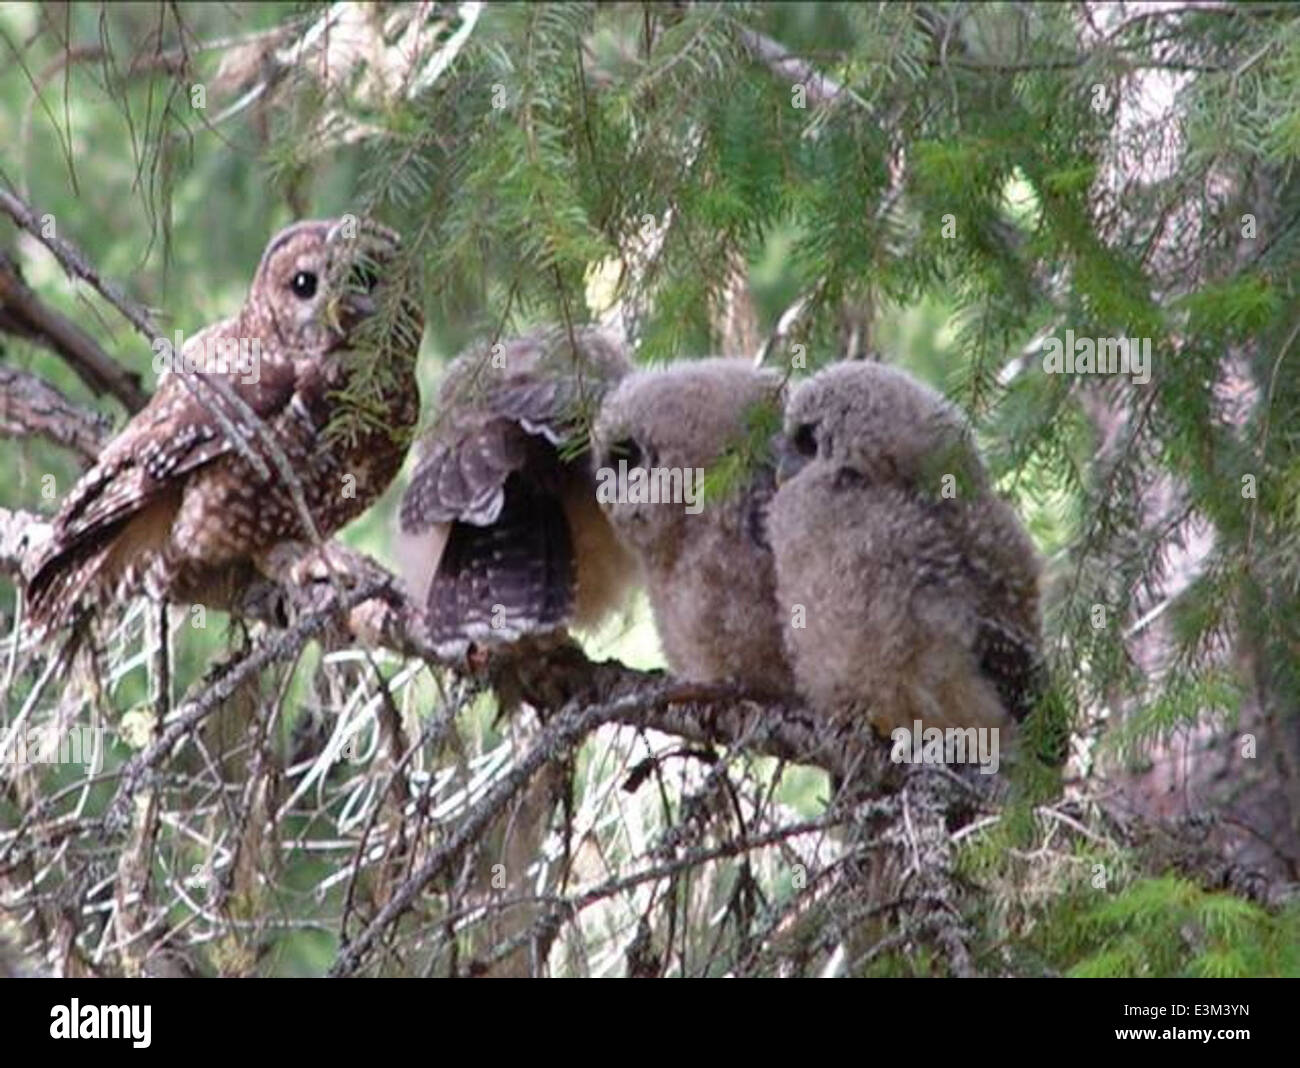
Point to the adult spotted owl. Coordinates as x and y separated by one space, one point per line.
315 374
501 533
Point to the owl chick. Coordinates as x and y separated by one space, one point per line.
501 534
908 589
323 354
706 562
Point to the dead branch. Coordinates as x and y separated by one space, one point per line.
76 265
25 315
565 731
549 676
278 647
30 406
820 88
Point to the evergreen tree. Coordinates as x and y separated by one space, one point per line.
968 189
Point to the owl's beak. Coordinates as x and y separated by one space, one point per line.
344 312
357 306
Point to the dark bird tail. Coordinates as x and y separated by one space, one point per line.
514 577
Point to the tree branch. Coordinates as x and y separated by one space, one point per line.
30 406
76 264
25 315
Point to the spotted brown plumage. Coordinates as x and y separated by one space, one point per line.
501 534
175 507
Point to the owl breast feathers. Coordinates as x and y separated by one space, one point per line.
707 563
909 590
319 365
501 536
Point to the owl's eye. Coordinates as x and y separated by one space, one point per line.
805 440
628 450
304 285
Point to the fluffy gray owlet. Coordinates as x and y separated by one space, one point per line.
708 567
501 534
323 352
908 589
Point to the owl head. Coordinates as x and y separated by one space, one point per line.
664 423
318 281
876 425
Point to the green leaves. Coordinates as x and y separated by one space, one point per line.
1234 308
1170 927
736 467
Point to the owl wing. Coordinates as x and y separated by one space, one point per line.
546 407
494 477
1012 662
488 434
957 555
175 434
992 557
462 476
507 566
760 490
548 390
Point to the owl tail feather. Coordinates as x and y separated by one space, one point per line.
59 586
513 577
